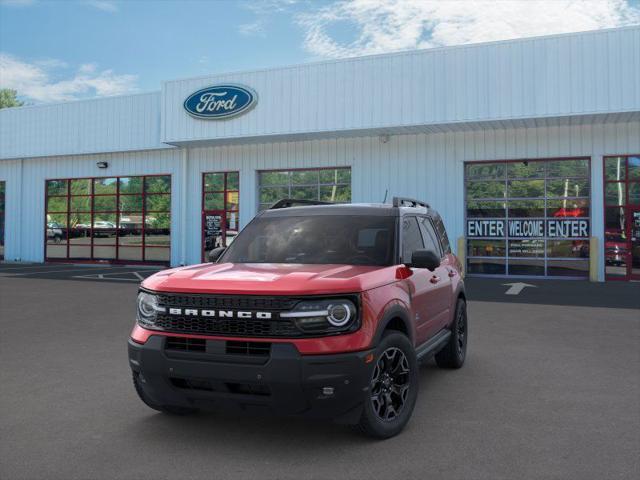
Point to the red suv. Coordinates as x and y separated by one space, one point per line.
321 310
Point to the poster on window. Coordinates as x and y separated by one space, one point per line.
528 228
213 232
485 228
568 228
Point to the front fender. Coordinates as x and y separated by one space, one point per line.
394 311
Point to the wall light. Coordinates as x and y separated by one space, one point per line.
102 164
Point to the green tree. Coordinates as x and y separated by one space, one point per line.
8 98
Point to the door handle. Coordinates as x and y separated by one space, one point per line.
435 279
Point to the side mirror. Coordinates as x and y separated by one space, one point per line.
214 254
424 259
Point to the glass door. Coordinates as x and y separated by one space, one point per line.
2 208
622 217
220 210
634 241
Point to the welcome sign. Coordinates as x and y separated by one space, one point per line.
219 102
525 228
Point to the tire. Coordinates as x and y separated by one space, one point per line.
455 351
381 418
171 410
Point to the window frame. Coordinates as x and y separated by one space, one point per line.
506 199
627 206
91 213
289 185
225 191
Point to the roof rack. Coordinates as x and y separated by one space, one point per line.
292 202
409 202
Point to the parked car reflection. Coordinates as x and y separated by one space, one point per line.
54 232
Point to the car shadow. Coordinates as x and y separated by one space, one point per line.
226 431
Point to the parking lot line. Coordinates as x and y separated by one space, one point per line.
43 272
24 267
112 276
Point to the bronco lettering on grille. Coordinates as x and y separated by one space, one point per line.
195 312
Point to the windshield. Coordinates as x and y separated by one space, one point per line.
318 239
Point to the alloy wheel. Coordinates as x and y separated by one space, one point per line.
390 384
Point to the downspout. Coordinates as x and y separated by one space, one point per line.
184 210
18 235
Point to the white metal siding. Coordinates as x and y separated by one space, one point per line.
547 77
90 126
25 202
426 166
11 174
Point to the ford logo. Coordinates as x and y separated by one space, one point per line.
220 101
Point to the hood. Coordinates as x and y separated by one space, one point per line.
270 279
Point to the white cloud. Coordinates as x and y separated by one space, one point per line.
252 29
36 81
87 68
269 6
104 5
389 25
51 63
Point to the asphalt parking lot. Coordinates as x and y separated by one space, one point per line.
550 391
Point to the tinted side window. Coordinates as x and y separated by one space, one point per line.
411 238
442 233
430 238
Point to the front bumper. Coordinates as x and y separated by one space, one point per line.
283 382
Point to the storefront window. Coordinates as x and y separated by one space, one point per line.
622 217
220 209
327 184
109 219
529 218
2 210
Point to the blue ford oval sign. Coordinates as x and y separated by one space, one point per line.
220 101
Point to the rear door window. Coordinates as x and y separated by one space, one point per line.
430 238
411 238
442 233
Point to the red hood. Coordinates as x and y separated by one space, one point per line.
270 279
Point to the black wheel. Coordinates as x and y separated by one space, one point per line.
454 353
393 389
160 408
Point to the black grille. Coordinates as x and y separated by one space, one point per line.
193 384
207 386
186 344
248 348
249 327
237 327
233 302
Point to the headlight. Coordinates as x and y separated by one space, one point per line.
324 315
148 309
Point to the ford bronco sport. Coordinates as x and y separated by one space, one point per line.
319 310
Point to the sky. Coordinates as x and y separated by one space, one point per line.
59 50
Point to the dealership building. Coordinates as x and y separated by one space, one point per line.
529 149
